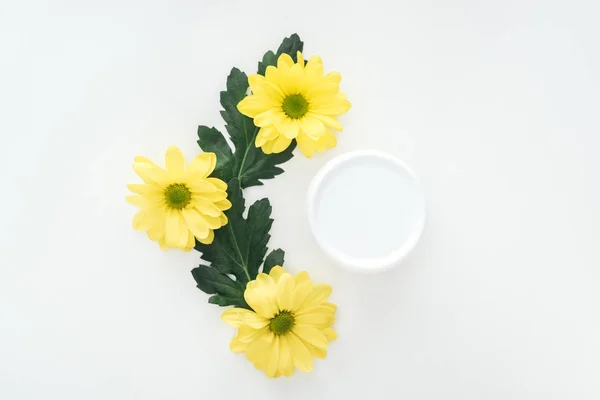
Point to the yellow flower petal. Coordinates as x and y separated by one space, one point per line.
273 358
286 292
238 317
329 106
330 334
143 189
213 197
191 242
281 144
196 223
223 219
138 201
262 297
237 346
311 335
150 174
265 91
273 75
223 205
314 70
184 233
267 148
319 295
234 316
319 317
211 222
219 184
311 126
202 165
302 358
327 120
301 292
327 141
333 77
276 273
286 362
268 117
157 231
265 134
144 160
206 207
285 62
172 228
316 352
287 126
302 277
174 160
209 239
300 58
248 334
162 243
200 186
307 146
144 220
254 105
258 350
293 81
263 283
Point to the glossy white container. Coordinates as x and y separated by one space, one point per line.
366 210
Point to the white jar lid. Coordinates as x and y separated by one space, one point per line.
366 209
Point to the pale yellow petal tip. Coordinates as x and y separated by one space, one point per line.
209 239
133 200
254 80
133 187
142 160
330 334
285 61
315 60
277 272
242 106
228 314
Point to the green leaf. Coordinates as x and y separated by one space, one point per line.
251 165
257 230
230 292
238 249
211 140
291 45
273 259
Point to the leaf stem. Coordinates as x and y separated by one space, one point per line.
248 145
237 248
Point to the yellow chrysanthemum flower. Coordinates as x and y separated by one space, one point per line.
178 204
290 324
295 101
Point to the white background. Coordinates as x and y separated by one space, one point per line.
494 104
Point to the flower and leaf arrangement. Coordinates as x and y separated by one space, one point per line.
283 321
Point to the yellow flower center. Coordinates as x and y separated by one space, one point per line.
282 323
177 195
295 106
